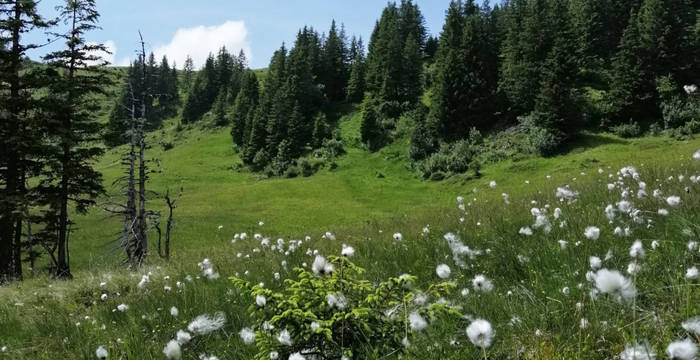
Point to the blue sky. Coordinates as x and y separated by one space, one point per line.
259 26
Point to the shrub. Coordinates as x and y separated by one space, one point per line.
627 130
291 172
333 148
541 141
677 107
339 314
305 167
450 159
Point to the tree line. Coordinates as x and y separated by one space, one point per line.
160 89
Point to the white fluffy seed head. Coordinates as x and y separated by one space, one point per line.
172 350
247 335
443 271
417 322
101 352
480 333
682 350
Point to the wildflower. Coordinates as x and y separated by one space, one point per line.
260 223
614 283
338 301
610 212
673 200
492 184
122 307
417 322
247 335
583 324
205 324
398 236
297 356
172 350
465 292
174 312
482 283
565 290
696 155
284 338
320 266
682 349
692 273
183 337
637 250
562 244
663 212
633 268
101 352
638 352
274 355
564 193
624 206
480 333
459 249
692 245
592 233
443 271
145 279
103 297
654 244
506 198
689 89
692 325
525 231
348 251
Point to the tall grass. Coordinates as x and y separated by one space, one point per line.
533 316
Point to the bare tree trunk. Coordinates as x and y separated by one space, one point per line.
130 211
30 251
142 225
17 250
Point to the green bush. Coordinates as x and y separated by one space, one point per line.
305 167
333 148
627 130
677 107
291 172
336 313
450 159
541 141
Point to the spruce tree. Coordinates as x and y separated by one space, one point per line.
335 72
555 106
20 130
630 85
371 132
244 108
69 175
465 83
188 73
356 82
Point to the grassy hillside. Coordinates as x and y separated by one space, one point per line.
366 199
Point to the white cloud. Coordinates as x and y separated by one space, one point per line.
199 41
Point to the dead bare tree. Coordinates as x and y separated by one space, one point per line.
172 204
141 224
